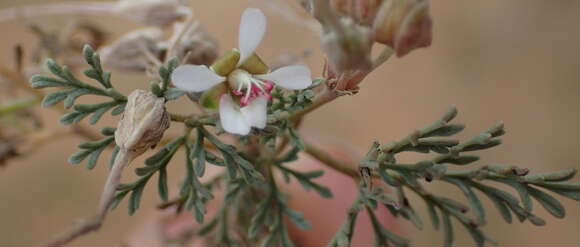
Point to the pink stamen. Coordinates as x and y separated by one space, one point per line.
245 101
238 92
268 86
255 90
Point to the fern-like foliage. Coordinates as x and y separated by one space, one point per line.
69 88
400 178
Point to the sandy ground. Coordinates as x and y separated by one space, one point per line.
515 61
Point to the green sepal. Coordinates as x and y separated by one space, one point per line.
226 63
255 65
210 99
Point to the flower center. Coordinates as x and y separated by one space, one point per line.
248 87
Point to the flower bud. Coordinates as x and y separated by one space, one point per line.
143 123
153 12
404 25
364 11
128 52
349 48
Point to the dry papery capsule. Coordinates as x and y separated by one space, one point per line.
143 123
196 46
348 49
404 25
363 11
153 12
128 52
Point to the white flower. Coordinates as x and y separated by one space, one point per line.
253 91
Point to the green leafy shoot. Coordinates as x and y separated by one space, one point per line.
163 88
450 153
93 149
70 88
155 164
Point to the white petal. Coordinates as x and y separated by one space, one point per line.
290 77
195 78
256 112
231 118
252 30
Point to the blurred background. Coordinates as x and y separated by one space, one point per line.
513 61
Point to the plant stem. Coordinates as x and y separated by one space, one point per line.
330 161
383 57
17 105
189 23
94 223
22 83
321 99
113 180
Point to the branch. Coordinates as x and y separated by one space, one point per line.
328 160
94 223
17 105
23 84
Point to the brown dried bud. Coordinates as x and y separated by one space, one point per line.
154 12
196 46
348 49
143 123
364 11
404 25
129 52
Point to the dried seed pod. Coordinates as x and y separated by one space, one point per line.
348 49
404 25
196 46
129 52
154 12
143 123
79 34
364 11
